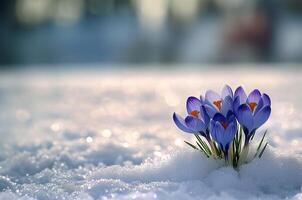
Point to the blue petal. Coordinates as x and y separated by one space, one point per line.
245 117
212 129
219 131
223 136
195 124
258 107
254 96
202 100
216 131
193 104
266 99
229 100
219 117
212 96
262 116
227 105
204 115
180 123
230 133
241 94
230 117
236 103
226 91
210 110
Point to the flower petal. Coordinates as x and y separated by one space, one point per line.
236 103
258 107
266 99
231 117
219 131
219 117
210 110
195 124
254 96
180 123
216 131
226 91
202 99
212 130
230 133
212 96
204 115
262 116
193 104
241 94
227 105
245 117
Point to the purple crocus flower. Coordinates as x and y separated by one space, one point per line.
251 111
223 130
215 103
197 120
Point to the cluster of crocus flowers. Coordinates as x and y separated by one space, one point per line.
224 124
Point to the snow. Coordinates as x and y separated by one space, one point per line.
109 135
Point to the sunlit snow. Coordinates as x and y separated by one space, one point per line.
109 135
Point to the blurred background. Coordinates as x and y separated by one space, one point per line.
37 32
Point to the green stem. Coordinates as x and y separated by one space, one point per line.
244 152
213 149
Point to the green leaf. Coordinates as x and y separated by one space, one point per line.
202 150
262 150
261 140
216 149
196 148
191 145
260 143
204 145
252 136
240 138
219 150
234 153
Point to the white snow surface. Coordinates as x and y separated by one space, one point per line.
110 135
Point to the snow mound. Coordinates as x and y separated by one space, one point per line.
182 175
188 175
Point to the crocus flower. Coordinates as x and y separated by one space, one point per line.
223 130
197 120
251 111
215 103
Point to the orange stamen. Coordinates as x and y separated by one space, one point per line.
195 113
252 106
224 124
218 104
